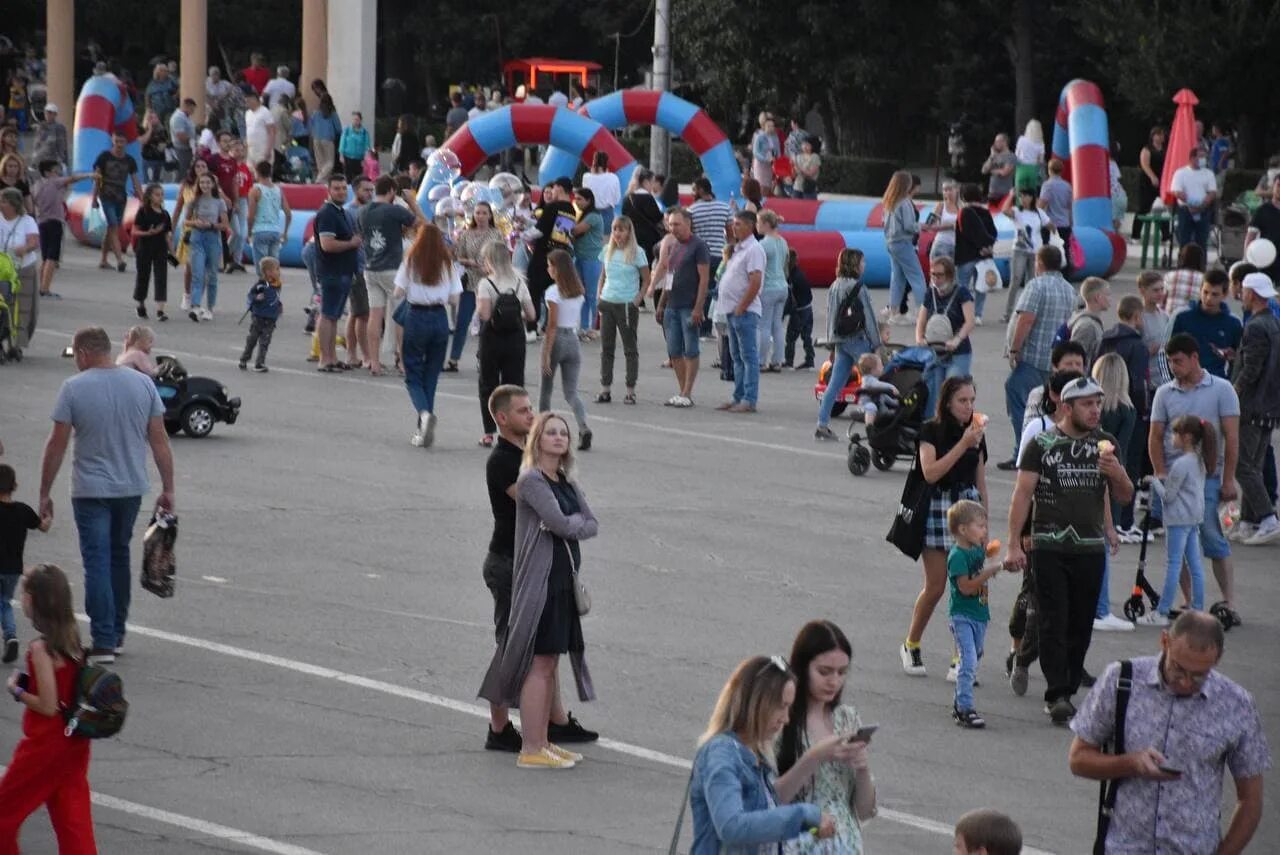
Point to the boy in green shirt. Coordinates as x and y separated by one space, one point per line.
967 579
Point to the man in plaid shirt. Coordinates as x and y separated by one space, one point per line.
1046 303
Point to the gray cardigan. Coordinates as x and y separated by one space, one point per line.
835 296
902 223
538 516
1182 491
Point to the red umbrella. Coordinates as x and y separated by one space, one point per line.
1182 139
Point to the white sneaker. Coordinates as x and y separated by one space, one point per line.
1265 534
912 661
186 302
1242 531
206 315
530 337
1153 619
953 673
977 322
417 438
1112 623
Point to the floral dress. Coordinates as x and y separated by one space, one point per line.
832 788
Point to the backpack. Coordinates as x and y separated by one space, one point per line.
98 708
851 319
1063 335
508 314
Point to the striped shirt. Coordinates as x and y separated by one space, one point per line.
709 219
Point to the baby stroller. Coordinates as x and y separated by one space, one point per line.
296 166
893 435
10 310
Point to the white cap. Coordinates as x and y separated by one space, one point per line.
51 108
1260 284
1081 387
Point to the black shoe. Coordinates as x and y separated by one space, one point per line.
572 731
584 444
261 369
1087 680
10 650
1008 664
509 740
1007 465
244 366
141 311
968 718
807 365
161 316
1060 711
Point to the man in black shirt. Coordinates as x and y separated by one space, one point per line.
556 218
1266 224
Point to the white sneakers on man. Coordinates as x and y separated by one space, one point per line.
1153 619
1112 623
1267 532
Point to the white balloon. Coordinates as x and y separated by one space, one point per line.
1261 253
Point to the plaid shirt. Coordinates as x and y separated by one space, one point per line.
1052 300
1181 287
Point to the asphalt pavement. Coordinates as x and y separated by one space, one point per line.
312 686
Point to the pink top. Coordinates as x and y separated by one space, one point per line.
137 360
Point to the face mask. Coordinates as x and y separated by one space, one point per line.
1202 162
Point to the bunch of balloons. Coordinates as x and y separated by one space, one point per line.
453 199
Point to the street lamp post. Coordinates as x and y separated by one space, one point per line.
659 139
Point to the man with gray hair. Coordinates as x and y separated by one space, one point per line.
279 87
115 415
1175 724
679 312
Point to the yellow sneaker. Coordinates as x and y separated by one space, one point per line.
544 759
571 756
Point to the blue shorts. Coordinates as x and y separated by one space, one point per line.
113 212
682 335
334 291
1213 543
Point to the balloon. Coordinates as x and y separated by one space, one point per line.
449 207
1261 253
506 184
446 158
438 192
459 188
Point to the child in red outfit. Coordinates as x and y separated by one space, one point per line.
48 767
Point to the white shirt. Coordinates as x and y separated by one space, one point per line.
434 294
13 235
1027 151
475 112
570 311
605 187
1033 428
207 140
257 124
1196 183
278 87
558 99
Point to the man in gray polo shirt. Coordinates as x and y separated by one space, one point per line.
115 414
1194 391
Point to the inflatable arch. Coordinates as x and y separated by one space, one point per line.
487 135
676 115
1082 142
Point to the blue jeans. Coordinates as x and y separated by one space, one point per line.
589 271
1193 228
426 338
206 254
846 356
904 270
771 329
466 308
970 635
967 275
265 245
8 585
1104 593
1182 542
1021 381
239 231
105 527
743 343
956 365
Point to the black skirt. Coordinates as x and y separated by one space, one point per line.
559 627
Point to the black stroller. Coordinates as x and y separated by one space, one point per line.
893 436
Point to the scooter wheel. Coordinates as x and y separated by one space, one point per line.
1134 608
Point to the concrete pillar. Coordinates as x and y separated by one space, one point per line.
193 63
352 56
60 50
315 47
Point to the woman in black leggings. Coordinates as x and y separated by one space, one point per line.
502 341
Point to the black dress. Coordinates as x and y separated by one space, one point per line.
559 628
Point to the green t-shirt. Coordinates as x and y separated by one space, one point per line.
967 562
1067 510
589 244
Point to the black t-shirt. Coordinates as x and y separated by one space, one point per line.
113 173
500 472
975 231
555 222
1267 221
943 436
646 219
801 289
1067 514
16 519
683 261
149 218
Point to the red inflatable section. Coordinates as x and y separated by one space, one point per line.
816 253
702 134
641 106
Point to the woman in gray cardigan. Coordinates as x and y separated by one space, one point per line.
552 516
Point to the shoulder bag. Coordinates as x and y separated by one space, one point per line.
908 529
1107 789
581 596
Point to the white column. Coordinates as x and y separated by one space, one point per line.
352 56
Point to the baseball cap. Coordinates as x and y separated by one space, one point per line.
51 108
1260 284
1082 387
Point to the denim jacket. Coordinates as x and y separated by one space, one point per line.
729 800
264 301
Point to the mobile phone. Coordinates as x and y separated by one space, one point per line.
863 734
1169 770
23 680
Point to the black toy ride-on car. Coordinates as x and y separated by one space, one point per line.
192 405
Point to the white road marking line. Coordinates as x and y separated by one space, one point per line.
208 829
471 709
217 579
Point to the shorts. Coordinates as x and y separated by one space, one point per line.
379 286
51 240
334 291
113 212
1213 543
682 335
359 297
498 577
936 533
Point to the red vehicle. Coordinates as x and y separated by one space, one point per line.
848 394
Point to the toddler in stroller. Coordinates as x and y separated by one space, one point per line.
891 433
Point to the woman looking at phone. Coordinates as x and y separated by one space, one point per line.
821 758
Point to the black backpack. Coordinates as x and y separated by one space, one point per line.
851 319
508 313
98 708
